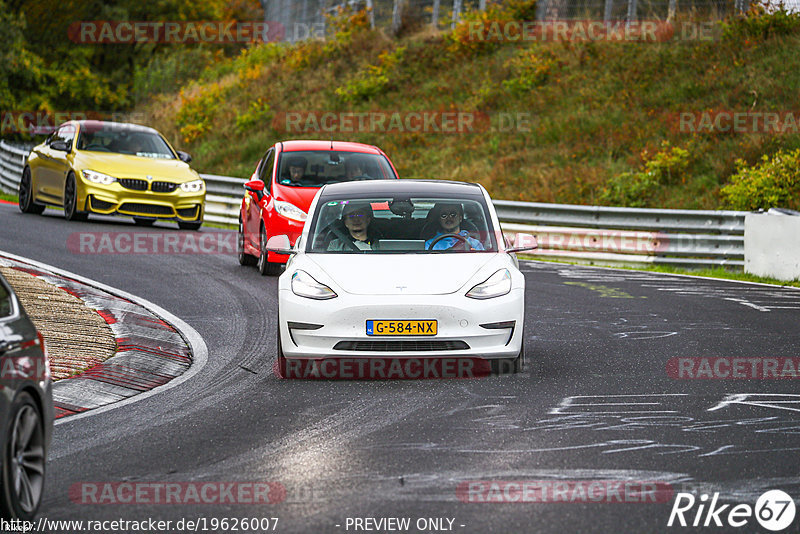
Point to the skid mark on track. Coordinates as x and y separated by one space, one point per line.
615 404
755 297
776 401
311 451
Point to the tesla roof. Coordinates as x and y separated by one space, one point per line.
401 187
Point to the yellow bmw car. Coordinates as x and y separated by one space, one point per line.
112 168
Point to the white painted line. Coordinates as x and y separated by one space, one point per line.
194 339
747 303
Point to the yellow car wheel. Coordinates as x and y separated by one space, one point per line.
71 211
26 203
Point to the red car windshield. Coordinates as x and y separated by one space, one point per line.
315 168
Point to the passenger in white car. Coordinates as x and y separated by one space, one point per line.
356 217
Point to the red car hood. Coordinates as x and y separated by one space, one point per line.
299 196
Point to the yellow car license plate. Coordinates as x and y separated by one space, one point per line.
401 328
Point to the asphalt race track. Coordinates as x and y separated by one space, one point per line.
595 403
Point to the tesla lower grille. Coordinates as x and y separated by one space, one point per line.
188 213
101 205
401 345
150 209
163 187
133 183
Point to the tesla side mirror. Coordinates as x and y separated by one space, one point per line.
184 156
280 244
522 243
61 146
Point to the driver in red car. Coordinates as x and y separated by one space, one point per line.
450 216
297 168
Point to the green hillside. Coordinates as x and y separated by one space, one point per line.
600 122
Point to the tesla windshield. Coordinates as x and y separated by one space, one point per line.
396 225
315 168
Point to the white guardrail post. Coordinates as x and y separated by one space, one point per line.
588 234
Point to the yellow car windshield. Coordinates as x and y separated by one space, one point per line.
125 141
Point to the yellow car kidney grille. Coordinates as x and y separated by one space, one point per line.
163 187
133 183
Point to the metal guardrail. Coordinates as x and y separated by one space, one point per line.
12 160
590 234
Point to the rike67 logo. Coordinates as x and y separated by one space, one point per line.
774 510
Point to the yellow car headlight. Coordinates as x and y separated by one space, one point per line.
195 186
98 177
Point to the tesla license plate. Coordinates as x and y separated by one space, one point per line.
401 328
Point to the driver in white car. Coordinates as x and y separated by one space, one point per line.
450 215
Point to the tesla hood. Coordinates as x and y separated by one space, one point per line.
401 274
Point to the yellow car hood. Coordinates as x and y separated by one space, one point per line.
125 166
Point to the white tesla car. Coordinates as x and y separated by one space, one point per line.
400 279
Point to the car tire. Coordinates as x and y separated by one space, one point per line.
509 366
244 257
190 225
519 361
71 211
23 482
138 221
25 194
266 268
280 364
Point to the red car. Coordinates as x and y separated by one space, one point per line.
287 177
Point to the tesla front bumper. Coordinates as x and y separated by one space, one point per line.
337 328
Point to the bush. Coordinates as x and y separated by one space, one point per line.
759 24
532 68
194 117
482 31
257 113
636 189
348 27
171 68
374 79
774 183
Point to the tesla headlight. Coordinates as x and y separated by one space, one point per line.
99 178
304 285
195 186
497 285
290 211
